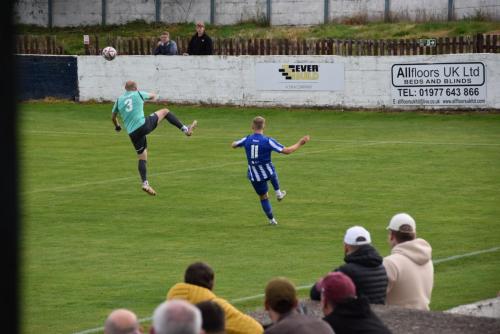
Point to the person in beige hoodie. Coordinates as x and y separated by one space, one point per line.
409 266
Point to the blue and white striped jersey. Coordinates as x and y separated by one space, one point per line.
258 149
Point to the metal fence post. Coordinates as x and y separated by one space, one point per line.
103 12
212 11
451 10
387 11
268 11
50 13
327 11
158 11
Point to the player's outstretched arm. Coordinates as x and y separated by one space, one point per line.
115 121
234 144
152 96
296 146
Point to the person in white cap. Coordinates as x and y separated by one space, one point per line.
363 265
409 267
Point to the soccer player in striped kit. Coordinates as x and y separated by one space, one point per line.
260 168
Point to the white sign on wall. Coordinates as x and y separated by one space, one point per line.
299 76
439 84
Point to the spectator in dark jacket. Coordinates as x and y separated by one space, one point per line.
201 43
165 46
346 313
363 265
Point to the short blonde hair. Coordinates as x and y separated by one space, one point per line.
258 123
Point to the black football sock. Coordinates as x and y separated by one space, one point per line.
173 120
142 170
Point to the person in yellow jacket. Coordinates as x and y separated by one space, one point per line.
197 287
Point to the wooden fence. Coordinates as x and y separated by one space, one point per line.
38 45
384 47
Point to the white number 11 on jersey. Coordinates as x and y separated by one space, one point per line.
254 151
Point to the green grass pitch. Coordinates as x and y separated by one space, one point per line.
93 241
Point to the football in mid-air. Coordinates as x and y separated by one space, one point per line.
109 53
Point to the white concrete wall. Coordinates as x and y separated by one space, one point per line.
297 12
231 79
420 11
372 10
174 11
284 12
121 12
235 11
471 8
32 12
76 13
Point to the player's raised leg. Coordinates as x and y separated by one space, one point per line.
172 119
143 158
261 190
280 194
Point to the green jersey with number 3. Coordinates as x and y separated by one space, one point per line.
131 108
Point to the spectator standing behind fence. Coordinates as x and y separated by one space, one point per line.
346 313
409 267
165 46
197 287
363 265
200 43
281 305
122 321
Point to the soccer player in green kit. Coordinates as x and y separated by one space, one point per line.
130 106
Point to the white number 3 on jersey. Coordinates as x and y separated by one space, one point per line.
128 105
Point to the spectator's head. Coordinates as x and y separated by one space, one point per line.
201 274
200 28
336 288
354 237
280 297
165 37
401 228
130 85
121 321
176 317
213 317
258 123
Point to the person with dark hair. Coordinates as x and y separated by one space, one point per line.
281 305
344 311
200 273
200 43
122 321
130 107
409 267
197 287
363 265
213 317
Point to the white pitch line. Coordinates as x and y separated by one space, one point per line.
404 142
308 286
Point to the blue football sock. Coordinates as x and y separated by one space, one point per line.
266 206
274 181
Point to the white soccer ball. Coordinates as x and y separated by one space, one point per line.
109 53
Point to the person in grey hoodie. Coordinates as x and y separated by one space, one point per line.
409 266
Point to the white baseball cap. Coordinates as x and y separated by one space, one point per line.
357 236
400 219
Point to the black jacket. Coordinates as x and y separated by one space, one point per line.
365 268
355 317
200 45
